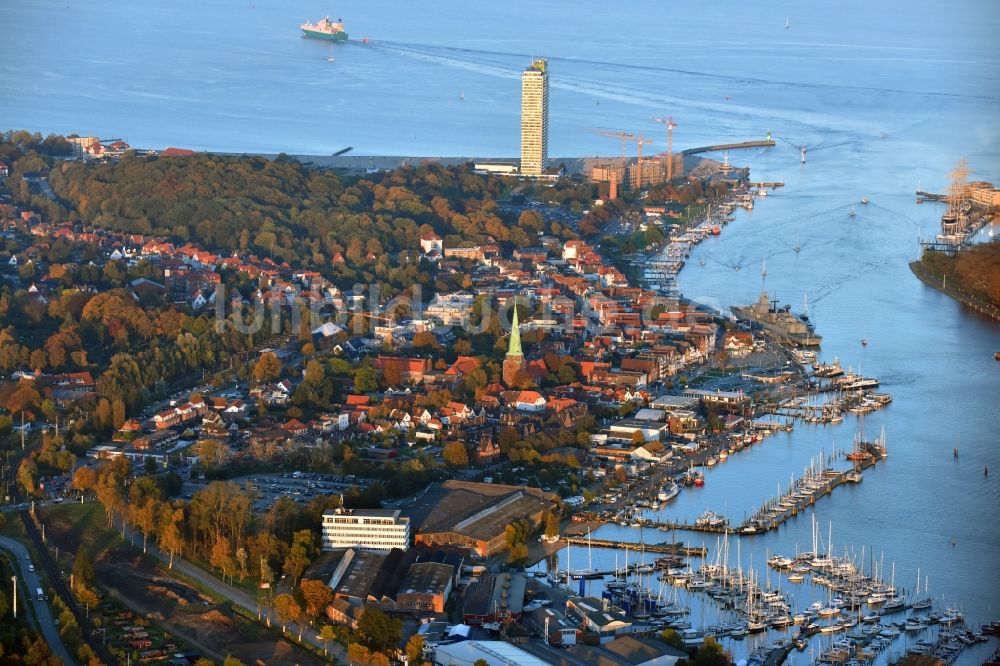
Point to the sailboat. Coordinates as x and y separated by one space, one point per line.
853 212
925 601
787 24
461 96
797 247
763 267
586 574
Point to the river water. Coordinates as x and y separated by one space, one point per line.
887 96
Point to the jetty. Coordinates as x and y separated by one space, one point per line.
760 143
807 490
668 548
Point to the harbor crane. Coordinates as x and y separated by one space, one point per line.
669 122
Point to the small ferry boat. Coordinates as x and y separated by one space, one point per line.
710 519
667 493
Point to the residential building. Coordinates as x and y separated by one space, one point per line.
535 118
372 529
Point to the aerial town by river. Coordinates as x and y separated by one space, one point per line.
518 494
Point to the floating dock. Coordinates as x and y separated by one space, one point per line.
668 548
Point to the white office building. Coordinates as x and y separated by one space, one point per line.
371 529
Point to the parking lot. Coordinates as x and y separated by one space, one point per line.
300 488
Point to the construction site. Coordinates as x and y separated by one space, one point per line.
622 173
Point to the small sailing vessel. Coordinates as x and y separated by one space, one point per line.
852 212
763 267
787 24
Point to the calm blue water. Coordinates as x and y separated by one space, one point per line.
236 76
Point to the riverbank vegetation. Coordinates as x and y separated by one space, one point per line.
975 272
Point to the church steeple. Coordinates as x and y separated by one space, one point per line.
514 364
514 346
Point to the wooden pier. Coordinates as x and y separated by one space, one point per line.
833 480
667 548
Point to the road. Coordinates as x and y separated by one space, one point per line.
28 582
46 561
237 596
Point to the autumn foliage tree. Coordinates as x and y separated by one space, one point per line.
454 454
267 368
287 610
317 596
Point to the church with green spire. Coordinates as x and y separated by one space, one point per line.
513 362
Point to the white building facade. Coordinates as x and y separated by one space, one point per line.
535 118
371 529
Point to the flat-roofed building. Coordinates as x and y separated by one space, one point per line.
494 598
722 399
475 515
426 587
672 403
356 574
495 653
372 529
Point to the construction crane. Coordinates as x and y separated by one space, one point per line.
639 141
669 122
626 137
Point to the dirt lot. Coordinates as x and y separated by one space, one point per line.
192 617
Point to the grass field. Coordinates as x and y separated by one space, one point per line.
73 525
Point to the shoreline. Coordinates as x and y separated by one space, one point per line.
931 280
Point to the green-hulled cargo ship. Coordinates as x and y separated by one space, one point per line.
325 29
